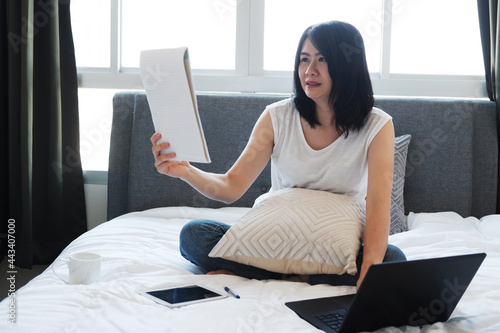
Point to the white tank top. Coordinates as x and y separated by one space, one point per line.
341 167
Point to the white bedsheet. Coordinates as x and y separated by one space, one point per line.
140 252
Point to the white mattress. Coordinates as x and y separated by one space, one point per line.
140 252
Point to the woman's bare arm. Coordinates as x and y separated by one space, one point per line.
235 182
378 198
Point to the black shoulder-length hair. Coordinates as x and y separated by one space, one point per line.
351 96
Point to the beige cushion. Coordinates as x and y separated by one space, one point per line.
298 231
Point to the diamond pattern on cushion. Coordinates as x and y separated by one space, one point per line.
297 231
398 218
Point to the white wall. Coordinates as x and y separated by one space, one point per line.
96 199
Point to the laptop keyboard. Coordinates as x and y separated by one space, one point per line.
333 319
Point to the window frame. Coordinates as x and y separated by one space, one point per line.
249 74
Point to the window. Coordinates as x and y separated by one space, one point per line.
91 21
95 107
280 48
418 48
208 30
423 44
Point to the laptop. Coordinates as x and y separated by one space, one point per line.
414 293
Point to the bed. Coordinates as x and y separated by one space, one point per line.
449 201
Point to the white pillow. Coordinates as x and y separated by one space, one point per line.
297 231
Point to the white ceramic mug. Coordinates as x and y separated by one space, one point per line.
84 268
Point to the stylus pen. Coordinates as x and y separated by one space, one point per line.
231 292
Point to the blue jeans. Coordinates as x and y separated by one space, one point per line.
198 237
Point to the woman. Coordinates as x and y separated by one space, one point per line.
331 117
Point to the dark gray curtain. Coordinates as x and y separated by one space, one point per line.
488 11
41 174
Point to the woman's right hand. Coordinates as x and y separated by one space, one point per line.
164 163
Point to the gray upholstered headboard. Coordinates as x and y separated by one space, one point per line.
452 159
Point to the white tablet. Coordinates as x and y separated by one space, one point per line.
183 295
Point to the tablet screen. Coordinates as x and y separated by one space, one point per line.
183 294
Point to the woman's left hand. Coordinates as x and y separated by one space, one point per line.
362 273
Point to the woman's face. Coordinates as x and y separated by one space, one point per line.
313 73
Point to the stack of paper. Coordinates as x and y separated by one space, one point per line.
166 76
